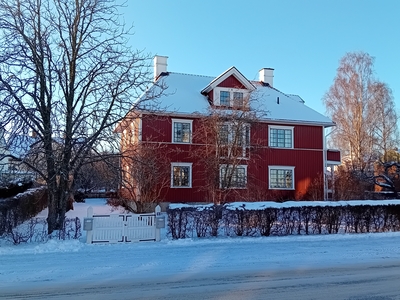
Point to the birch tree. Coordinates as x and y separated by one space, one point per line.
67 77
385 129
363 109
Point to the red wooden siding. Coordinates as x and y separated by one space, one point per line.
305 137
308 137
211 96
232 82
156 128
308 165
333 155
306 158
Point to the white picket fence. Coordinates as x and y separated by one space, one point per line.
123 228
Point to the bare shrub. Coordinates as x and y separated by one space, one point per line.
266 220
178 222
35 230
350 185
216 220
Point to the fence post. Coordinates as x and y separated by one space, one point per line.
158 230
89 233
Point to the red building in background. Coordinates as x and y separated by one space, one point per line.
227 138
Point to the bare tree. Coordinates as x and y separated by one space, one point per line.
99 173
354 102
145 175
226 145
385 123
67 77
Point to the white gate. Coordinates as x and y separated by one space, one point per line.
118 228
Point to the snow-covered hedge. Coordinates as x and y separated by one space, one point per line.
14 211
12 188
288 218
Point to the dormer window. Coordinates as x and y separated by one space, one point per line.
229 97
238 99
224 98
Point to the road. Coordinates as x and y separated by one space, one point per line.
356 282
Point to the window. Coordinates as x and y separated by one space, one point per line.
224 98
234 134
243 134
281 136
237 99
223 134
181 175
181 131
230 97
233 176
234 137
281 177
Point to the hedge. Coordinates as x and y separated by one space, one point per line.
295 218
16 210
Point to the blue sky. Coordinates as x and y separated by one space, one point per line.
303 40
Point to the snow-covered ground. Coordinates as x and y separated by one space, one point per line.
65 262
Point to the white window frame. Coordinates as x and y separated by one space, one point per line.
190 122
236 167
231 91
181 164
245 145
283 168
291 128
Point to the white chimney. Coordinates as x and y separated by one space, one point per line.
160 65
266 75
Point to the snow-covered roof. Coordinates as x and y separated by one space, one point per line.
183 97
232 71
19 145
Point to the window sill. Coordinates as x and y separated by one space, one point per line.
182 143
181 187
234 188
281 147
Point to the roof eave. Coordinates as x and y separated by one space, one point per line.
300 122
231 71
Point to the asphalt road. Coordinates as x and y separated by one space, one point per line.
379 281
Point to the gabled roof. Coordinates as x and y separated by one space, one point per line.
184 97
19 145
232 71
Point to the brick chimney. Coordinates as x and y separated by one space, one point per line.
266 75
160 65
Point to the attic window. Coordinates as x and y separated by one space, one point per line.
237 99
224 98
229 97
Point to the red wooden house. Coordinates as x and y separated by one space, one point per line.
276 151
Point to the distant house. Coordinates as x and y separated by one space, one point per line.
4 166
12 153
265 144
